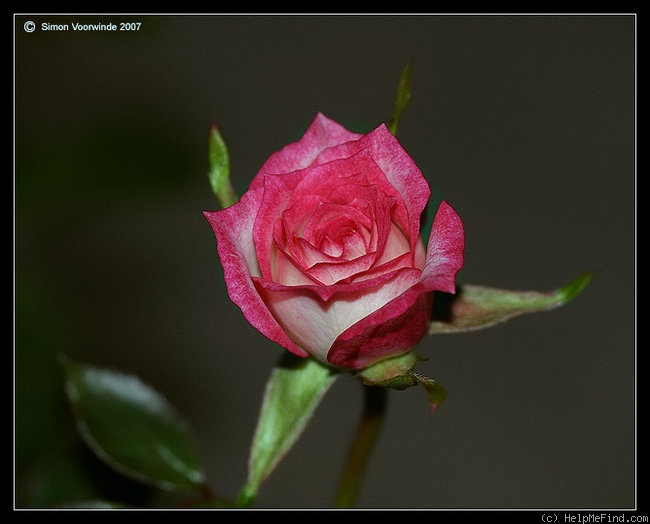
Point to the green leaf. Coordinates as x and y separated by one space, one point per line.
292 394
402 98
133 428
478 307
219 174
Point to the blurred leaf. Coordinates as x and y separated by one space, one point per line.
93 504
402 98
132 428
219 174
478 307
292 394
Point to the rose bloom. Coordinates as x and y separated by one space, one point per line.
323 253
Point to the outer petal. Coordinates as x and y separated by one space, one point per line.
399 325
233 229
445 251
315 323
394 329
321 134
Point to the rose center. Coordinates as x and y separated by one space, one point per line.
326 242
340 238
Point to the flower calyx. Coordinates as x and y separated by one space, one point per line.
398 373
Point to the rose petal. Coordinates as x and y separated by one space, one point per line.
395 163
331 227
276 197
384 333
445 251
233 229
321 134
314 323
400 325
329 273
329 181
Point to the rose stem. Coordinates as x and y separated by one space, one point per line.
375 401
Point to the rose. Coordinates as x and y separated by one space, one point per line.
323 253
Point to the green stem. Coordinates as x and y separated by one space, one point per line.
374 409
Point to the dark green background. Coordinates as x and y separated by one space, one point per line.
526 124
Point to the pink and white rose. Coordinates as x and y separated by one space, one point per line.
323 253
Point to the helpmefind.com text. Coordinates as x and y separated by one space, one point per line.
588 518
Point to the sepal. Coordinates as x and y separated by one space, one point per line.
398 373
219 174
480 307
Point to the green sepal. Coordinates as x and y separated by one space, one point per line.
219 174
437 394
292 394
398 373
385 370
133 428
402 99
479 307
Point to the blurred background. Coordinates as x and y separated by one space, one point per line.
526 124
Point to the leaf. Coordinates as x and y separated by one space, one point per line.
292 394
478 307
219 174
132 427
402 98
